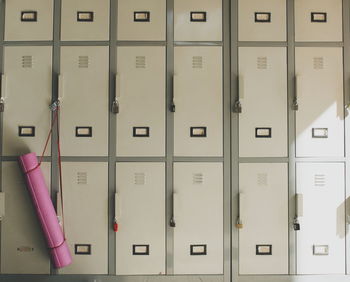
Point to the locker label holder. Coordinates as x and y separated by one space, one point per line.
263 250
142 16
140 250
320 250
83 131
198 131
141 132
262 17
85 16
26 131
198 250
198 16
82 249
263 132
29 16
318 17
320 133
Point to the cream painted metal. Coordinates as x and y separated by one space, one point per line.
198 214
141 117
140 213
321 240
263 240
263 130
23 247
28 20
142 20
85 20
83 92
319 90
26 90
198 20
85 198
198 98
262 20
318 20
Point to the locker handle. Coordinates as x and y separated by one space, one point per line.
117 212
299 205
239 221
3 92
115 104
2 205
58 207
237 107
295 105
172 220
60 87
172 105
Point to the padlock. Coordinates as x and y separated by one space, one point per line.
239 224
296 225
172 107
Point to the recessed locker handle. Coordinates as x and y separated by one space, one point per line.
237 107
116 212
60 87
172 220
172 105
115 104
295 105
299 210
239 221
58 207
2 205
3 93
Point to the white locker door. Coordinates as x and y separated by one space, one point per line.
263 240
85 198
85 20
23 246
319 89
262 20
141 117
26 89
198 99
198 214
84 100
321 239
198 20
28 20
318 20
142 20
263 94
140 214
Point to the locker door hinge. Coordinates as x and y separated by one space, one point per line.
237 107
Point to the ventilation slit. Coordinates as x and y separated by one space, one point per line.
82 178
198 178
197 62
140 62
139 178
320 180
27 61
83 62
261 63
262 179
318 63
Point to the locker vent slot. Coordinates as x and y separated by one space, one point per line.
140 62
317 17
25 249
262 179
29 16
83 62
85 16
82 178
140 132
26 131
27 61
139 178
142 16
140 250
261 63
198 16
320 250
198 250
197 62
82 249
262 17
320 180
318 63
263 250
198 178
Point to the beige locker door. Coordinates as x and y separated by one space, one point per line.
141 117
198 214
23 245
319 88
28 20
318 20
321 239
263 240
140 213
263 127
85 20
198 99
84 100
26 89
85 198
142 20
262 20
198 20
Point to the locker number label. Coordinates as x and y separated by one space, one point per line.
198 131
321 250
142 16
198 16
29 16
85 16
82 249
318 17
83 131
140 250
262 17
263 250
198 250
140 132
26 131
320 133
263 132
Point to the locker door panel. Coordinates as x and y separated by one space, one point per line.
85 20
140 213
262 20
84 101
85 198
198 99
198 20
198 214
320 118
321 240
23 246
142 20
318 20
263 94
27 88
29 20
141 117
264 214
